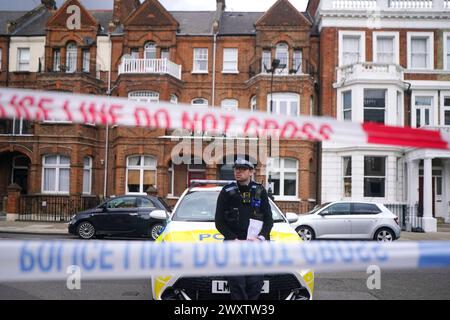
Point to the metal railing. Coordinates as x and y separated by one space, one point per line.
150 66
53 208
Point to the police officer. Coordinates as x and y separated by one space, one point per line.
242 204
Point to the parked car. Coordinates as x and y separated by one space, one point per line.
349 220
193 221
125 216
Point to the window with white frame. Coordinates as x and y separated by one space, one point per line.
56 60
150 50
87 175
170 176
230 60
446 110
134 53
253 104
15 126
266 60
347 174
165 54
311 106
283 176
297 61
423 111
199 102
385 49
141 174
420 50
352 49
374 177
71 57
284 104
229 105
24 59
56 174
201 60
282 54
447 50
347 105
86 60
144 96
173 99
374 105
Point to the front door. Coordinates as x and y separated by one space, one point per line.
421 204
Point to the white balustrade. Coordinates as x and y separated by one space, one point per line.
386 5
370 71
150 66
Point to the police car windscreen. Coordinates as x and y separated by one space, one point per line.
201 206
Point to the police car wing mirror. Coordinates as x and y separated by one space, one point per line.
158 214
324 213
291 217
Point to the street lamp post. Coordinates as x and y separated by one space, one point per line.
275 64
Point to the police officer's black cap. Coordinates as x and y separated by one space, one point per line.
242 163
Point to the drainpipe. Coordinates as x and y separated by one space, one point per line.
107 123
214 65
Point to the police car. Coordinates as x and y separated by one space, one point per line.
192 220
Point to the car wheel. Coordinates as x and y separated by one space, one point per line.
384 235
306 233
155 230
86 230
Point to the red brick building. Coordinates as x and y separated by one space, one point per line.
144 52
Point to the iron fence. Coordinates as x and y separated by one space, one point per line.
53 208
295 207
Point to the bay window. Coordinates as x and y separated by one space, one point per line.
374 177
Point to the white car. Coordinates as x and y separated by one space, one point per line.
192 220
349 220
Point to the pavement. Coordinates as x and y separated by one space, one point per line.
60 228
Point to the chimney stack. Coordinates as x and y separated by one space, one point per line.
49 4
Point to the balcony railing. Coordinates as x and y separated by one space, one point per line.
150 66
369 71
386 5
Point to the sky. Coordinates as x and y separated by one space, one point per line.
172 5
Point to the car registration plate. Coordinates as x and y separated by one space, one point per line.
221 287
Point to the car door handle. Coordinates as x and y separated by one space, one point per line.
133 214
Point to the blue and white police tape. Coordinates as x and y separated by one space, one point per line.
51 260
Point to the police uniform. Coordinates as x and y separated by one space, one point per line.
236 205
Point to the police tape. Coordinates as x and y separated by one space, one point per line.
101 260
89 109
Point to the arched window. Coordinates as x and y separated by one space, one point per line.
144 96
253 105
201 102
173 99
141 174
71 57
150 50
230 105
282 54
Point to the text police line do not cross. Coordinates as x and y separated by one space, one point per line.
49 260
41 106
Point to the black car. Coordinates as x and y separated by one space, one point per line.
125 216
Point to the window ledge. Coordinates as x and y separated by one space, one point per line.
172 197
230 72
199 72
287 199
